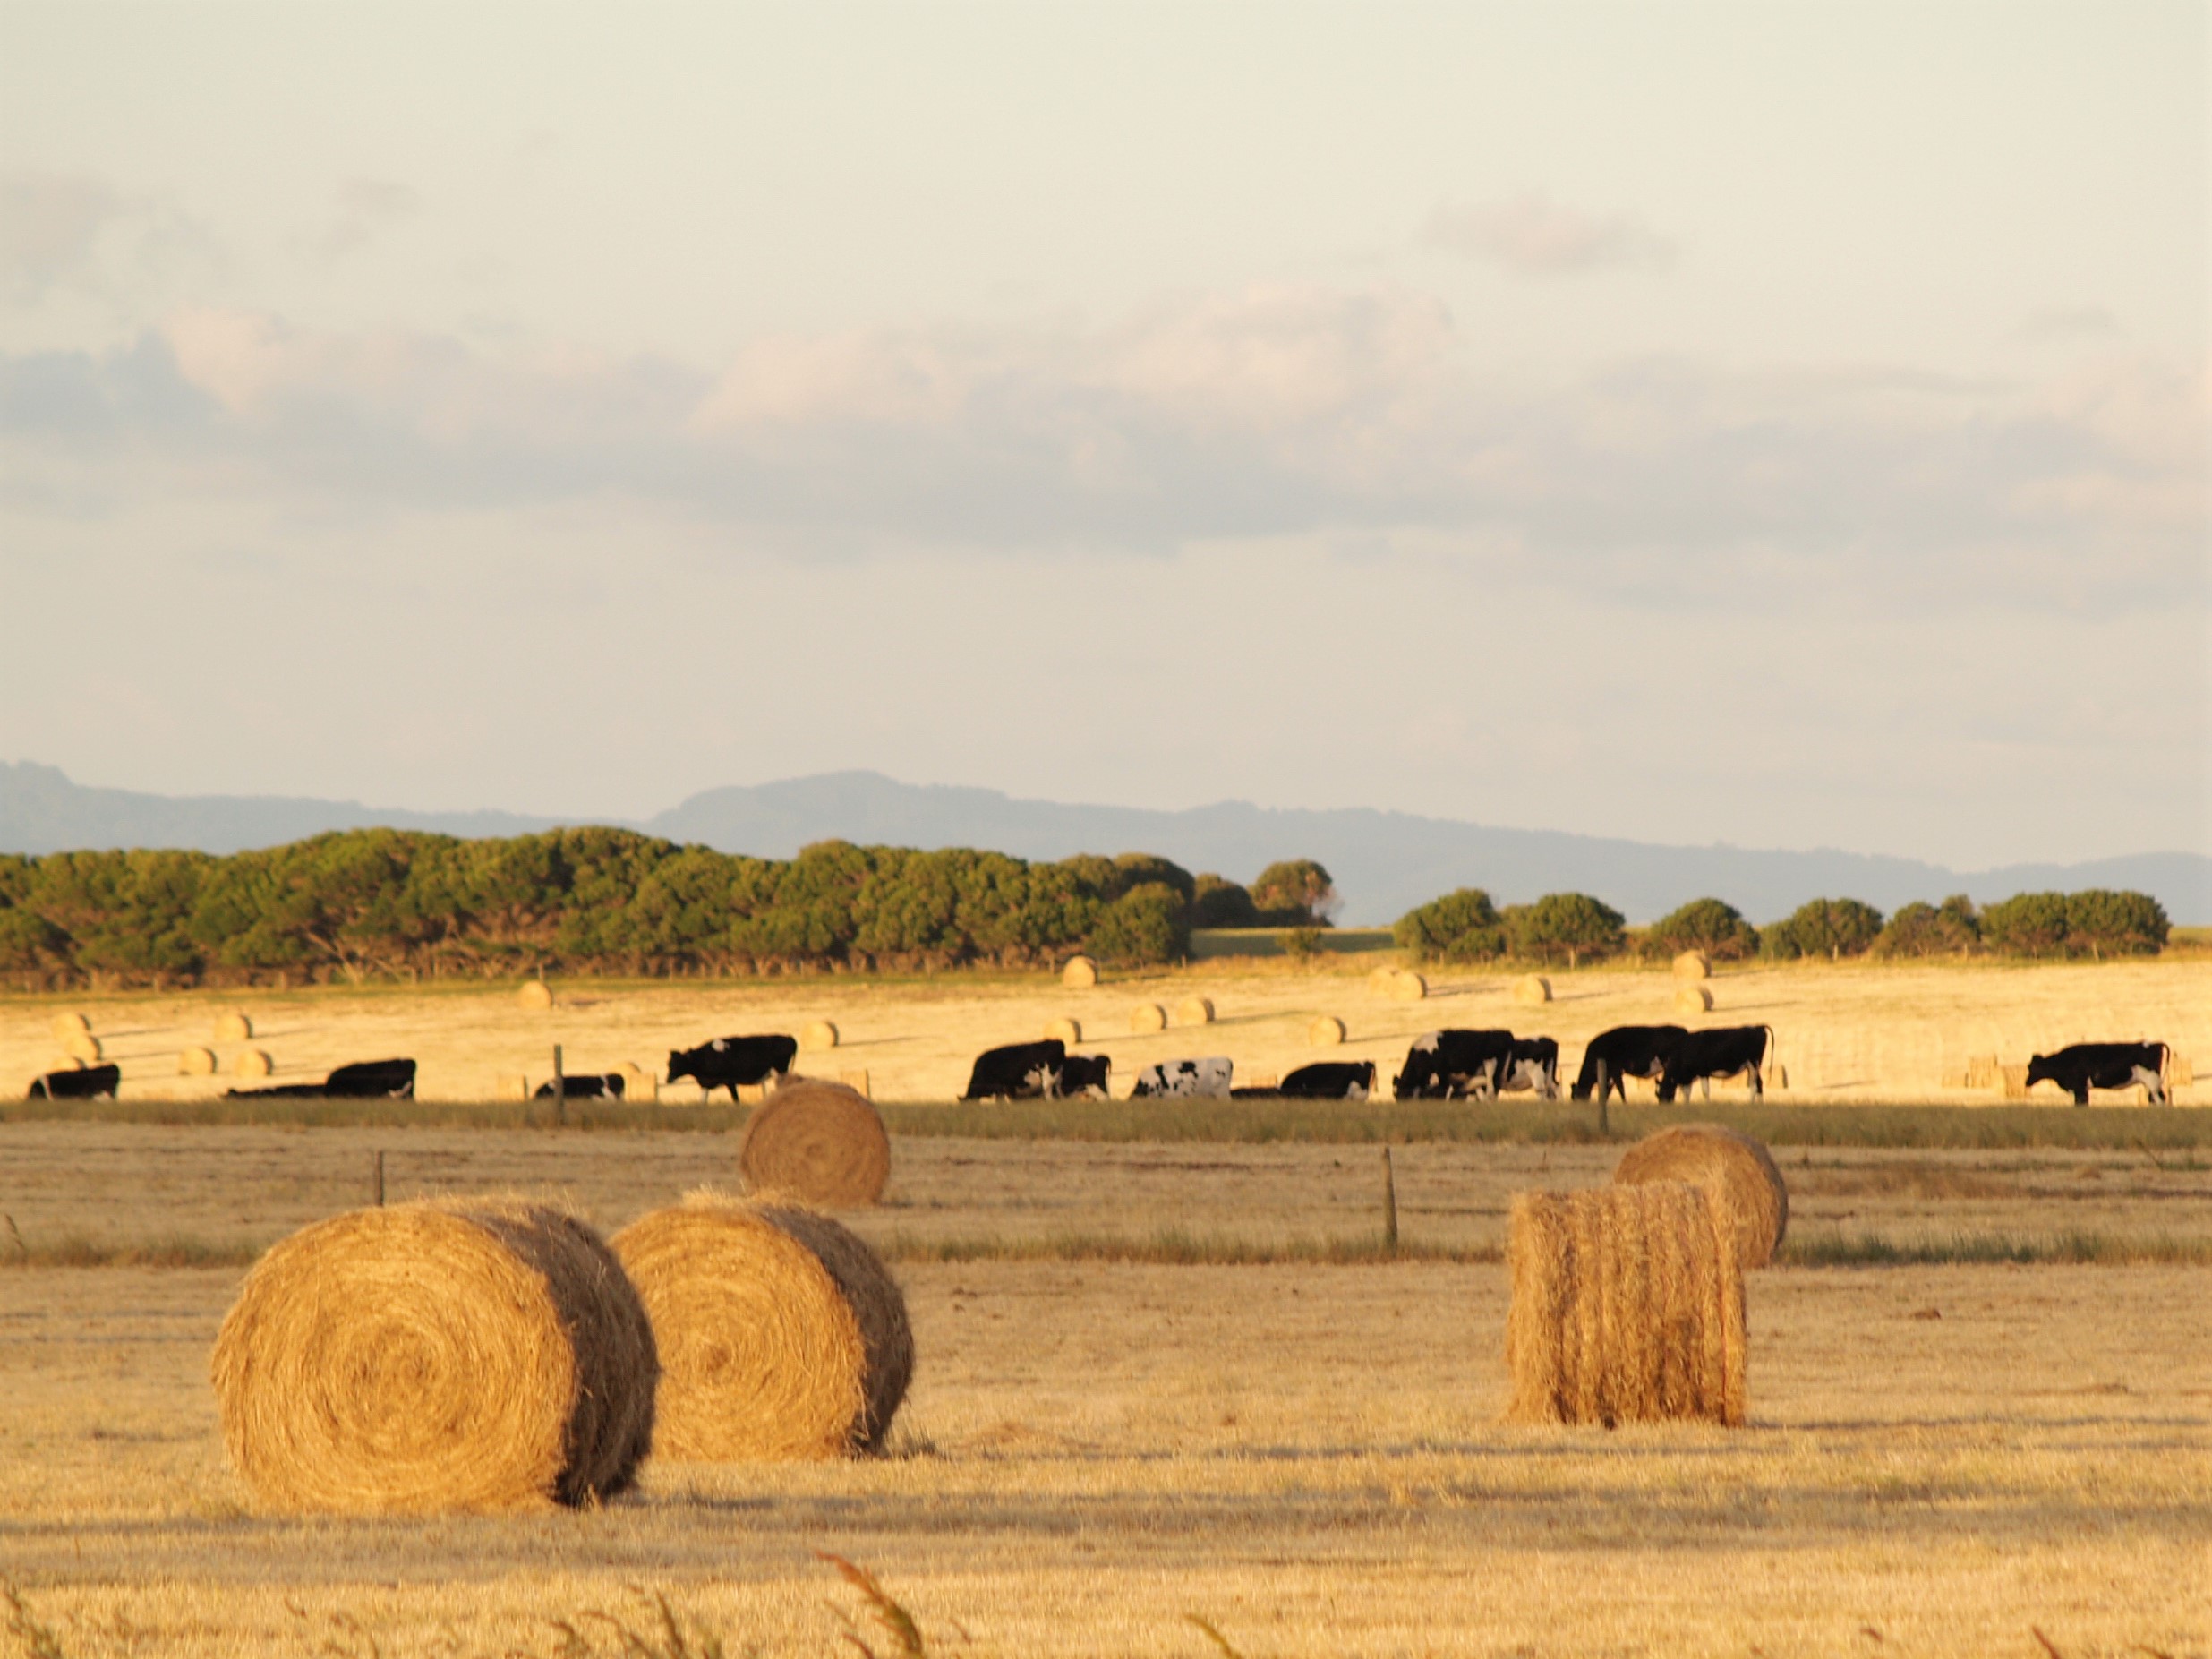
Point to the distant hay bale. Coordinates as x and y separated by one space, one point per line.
1195 1011
1081 973
1532 987
195 1062
818 1143
818 1036
64 1026
1690 999
1628 1307
1408 986
1146 1017
2180 1072
457 1354
1693 965
781 1333
1982 1072
1325 1031
640 1086
857 1081
1063 1030
85 1047
1734 1167
2013 1080
251 1063
233 1027
534 994
513 1086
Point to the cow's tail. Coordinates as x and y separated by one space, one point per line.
1774 1052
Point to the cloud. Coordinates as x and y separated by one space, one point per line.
1534 236
50 230
366 209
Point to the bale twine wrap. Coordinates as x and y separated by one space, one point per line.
781 1333
195 1062
233 1027
85 1047
535 994
1325 1031
1065 1029
252 1062
819 1143
1737 1169
1692 999
64 1026
1693 965
1628 1306
1532 987
460 1354
1146 1017
1408 986
1081 973
1195 1011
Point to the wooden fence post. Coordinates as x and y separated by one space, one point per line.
560 1090
1389 1204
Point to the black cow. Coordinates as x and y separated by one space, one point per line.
2092 1066
1448 1065
80 1085
1018 1072
1723 1051
1331 1080
1625 1051
1084 1074
728 1062
1533 1064
363 1080
589 1086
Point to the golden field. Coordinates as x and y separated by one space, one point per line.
1857 1031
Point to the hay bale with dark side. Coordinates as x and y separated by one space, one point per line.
1628 1307
781 1334
818 1143
1736 1168
477 1353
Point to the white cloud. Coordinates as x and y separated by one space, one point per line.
50 229
1538 238
366 209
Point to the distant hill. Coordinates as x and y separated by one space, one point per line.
1385 862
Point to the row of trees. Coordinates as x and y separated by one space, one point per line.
383 902
1465 925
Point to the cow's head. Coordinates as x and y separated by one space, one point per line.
2039 1071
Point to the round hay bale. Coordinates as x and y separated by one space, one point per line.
1735 1167
781 1333
64 1026
1408 986
1081 973
1065 1029
251 1063
818 1036
85 1047
196 1062
819 1143
1693 965
1325 1031
1148 1017
233 1027
535 994
1195 1011
1692 999
468 1354
1532 987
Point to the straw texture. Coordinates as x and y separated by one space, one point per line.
1735 1167
819 1143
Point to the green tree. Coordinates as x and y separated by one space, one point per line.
1146 924
1830 927
1922 930
1220 902
1463 926
2029 924
2106 923
1295 893
1707 925
1564 925
1138 869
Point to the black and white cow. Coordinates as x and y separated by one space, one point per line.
1084 1074
1723 1051
2084 1066
1533 1064
1625 1051
728 1062
1018 1072
1448 1065
1331 1080
584 1086
81 1084
1193 1079
363 1080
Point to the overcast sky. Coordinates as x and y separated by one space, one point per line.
1784 424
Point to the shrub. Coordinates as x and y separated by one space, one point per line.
1705 924
1219 903
1563 925
2028 924
1830 927
1923 929
1295 893
2117 924
1145 925
1459 927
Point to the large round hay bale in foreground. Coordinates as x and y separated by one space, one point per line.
818 1143
1146 1017
1692 999
252 1062
818 1036
1063 1030
1408 986
780 1334
1532 987
233 1027
1693 965
85 1047
1735 1167
1081 973
1195 1011
1628 1307
195 1062
1325 1031
534 994
462 1355
64 1026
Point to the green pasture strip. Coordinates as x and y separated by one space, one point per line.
16 1251
600 1116
1993 1250
1212 944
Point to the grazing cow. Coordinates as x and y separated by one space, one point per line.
1625 1051
1449 1065
1018 1072
1331 1080
1723 1051
590 1086
728 1062
1533 1064
1084 1074
80 1085
2095 1065
363 1080
1193 1079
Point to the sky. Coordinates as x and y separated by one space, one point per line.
1781 425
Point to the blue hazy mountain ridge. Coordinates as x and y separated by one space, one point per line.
1385 863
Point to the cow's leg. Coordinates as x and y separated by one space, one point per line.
1758 1091
2081 1092
1705 1085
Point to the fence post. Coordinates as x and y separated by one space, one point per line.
1389 1204
379 1180
560 1090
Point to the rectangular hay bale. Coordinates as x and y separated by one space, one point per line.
1982 1071
857 1081
2015 1082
